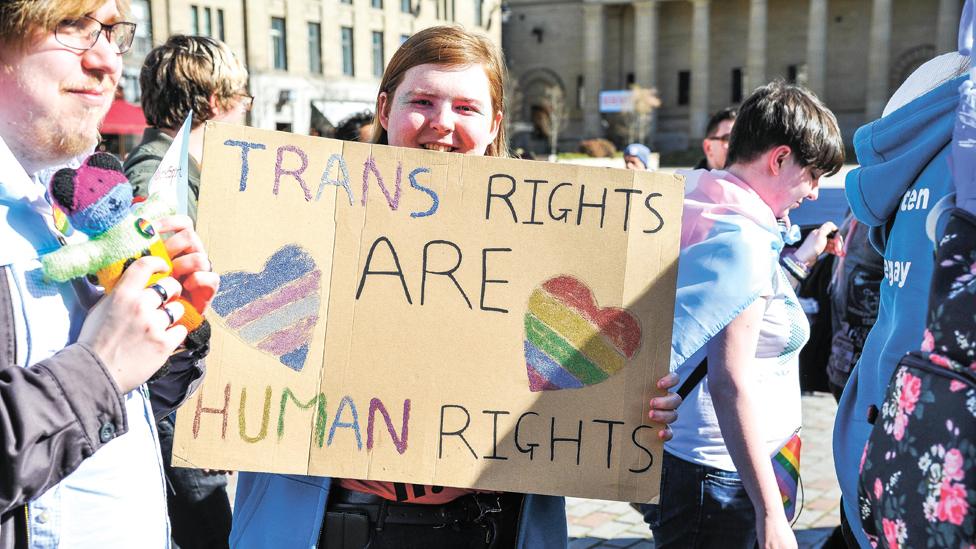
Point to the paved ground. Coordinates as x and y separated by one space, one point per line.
608 524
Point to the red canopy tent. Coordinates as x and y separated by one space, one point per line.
124 118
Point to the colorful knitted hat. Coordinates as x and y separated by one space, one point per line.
96 196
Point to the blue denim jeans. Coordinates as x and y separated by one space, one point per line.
701 508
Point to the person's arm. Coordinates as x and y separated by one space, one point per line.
53 415
798 262
184 374
731 382
58 412
192 268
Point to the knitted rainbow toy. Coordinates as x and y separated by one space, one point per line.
97 199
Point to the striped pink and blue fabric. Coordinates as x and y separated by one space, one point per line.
274 310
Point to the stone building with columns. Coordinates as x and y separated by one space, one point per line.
703 55
310 61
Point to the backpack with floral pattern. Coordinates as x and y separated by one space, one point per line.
917 483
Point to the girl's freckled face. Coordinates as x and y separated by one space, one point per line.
441 108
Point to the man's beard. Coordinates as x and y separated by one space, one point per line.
57 138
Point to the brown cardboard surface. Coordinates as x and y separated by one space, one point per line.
422 378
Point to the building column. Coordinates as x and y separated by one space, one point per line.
817 48
699 70
756 46
592 68
645 42
879 59
947 27
645 51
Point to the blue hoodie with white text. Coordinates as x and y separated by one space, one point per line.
902 184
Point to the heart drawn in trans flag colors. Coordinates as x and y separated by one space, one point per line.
275 310
570 342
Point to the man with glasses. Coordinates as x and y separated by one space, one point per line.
79 461
716 142
187 74
198 75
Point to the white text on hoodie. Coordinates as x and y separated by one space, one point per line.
896 272
915 199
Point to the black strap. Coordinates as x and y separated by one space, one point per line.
694 379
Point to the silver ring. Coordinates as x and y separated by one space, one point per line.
161 292
169 314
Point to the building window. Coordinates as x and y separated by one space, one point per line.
220 24
798 74
479 8
445 9
580 92
315 48
208 22
684 87
404 38
737 85
195 20
139 13
348 68
378 54
378 4
279 50
405 6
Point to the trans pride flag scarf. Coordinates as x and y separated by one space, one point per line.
730 245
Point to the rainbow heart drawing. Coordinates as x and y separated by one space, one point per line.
275 310
570 342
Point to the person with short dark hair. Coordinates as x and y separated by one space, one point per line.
715 145
738 323
356 127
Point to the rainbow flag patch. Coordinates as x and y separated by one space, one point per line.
571 342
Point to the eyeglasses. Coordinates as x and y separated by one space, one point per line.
247 101
82 33
723 138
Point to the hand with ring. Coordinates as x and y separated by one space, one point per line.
164 296
191 265
132 330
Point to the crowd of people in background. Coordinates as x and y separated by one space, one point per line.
90 381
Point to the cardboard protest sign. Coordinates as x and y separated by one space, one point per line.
432 318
